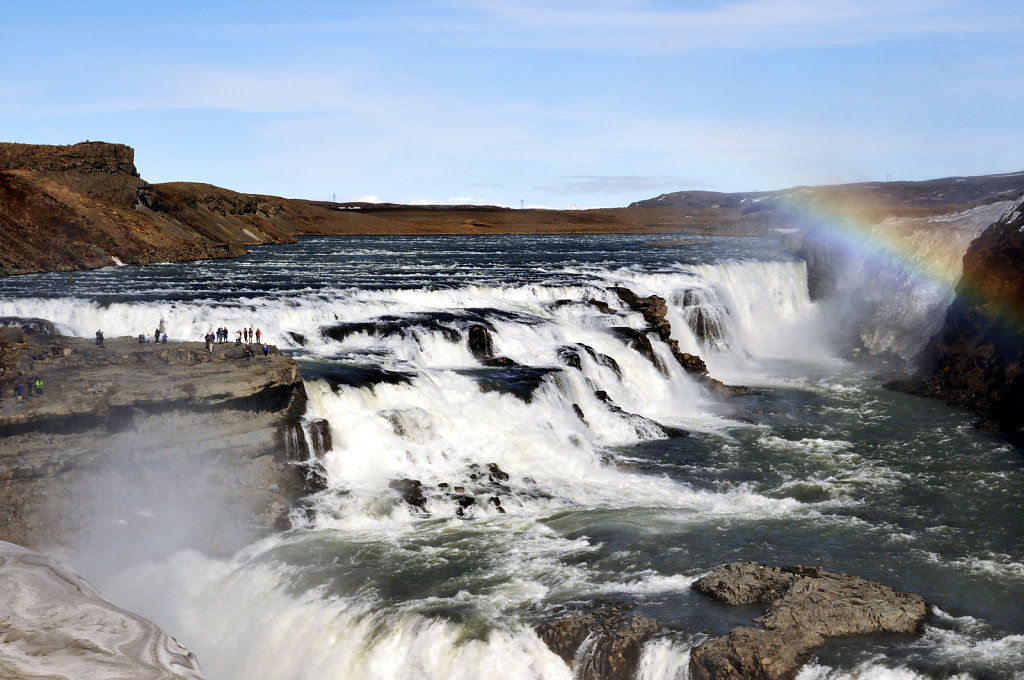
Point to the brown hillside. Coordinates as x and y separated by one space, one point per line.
81 206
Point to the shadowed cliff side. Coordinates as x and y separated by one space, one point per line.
976 362
133 450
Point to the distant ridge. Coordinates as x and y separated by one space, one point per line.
890 196
83 206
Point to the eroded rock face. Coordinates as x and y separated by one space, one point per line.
805 605
101 170
600 644
654 309
480 343
976 362
151 448
56 625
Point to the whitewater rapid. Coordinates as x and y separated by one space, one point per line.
571 436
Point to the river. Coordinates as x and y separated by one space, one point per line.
819 466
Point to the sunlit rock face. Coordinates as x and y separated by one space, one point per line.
977 361
55 625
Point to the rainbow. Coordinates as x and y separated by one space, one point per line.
931 249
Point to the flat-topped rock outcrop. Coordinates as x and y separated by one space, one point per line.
151 446
804 606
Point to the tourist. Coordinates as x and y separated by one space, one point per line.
266 350
163 338
238 337
257 336
19 390
99 338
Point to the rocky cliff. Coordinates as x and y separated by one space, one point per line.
134 449
976 362
84 206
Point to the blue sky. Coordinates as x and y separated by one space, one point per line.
546 103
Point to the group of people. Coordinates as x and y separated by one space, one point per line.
19 389
220 336
246 335
242 336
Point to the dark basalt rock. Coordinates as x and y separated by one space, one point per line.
653 308
496 473
639 422
353 375
805 605
571 356
411 491
480 343
976 362
519 381
499 362
394 326
637 340
599 644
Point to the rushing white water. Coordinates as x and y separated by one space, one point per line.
551 479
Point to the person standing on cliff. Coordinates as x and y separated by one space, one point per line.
257 336
19 390
99 338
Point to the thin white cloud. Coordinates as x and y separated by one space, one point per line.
664 27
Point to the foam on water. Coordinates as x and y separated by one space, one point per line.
599 502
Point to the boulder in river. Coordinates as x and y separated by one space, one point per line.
805 605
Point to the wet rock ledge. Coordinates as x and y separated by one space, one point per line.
147 448
805 605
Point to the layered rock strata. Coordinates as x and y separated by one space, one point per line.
805 605
142 449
